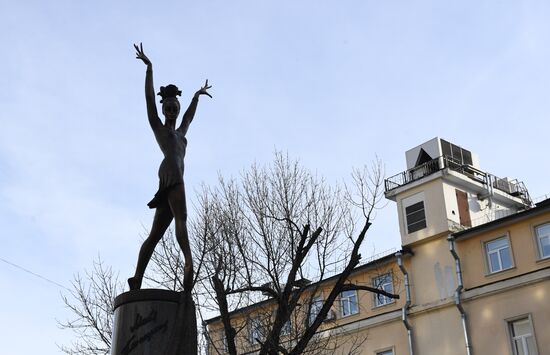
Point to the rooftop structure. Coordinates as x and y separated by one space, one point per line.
460 194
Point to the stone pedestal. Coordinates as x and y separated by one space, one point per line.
144 322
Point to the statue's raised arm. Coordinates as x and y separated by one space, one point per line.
190 112
152 113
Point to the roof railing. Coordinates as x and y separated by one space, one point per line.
420 171
512 187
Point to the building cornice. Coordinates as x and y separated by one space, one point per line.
507 284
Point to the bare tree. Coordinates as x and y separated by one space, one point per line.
91 303
270 240
280 233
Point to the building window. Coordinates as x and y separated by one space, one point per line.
285 330
385 352
383 282
499 256
255 331
521 335
543 240
416 217
314 309
348 303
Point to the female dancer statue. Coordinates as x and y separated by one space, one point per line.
169 200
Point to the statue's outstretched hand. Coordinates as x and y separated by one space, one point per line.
140 54
203 91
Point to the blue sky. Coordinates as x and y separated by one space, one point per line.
331 83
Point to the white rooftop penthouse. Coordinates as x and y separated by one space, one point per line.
444 190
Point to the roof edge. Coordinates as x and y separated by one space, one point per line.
404 251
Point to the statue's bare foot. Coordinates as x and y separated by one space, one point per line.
134 283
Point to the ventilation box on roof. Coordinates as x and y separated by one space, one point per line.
437 147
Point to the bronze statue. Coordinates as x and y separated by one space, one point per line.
169 200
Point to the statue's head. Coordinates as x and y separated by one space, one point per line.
170 103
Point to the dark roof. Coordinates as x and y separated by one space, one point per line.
540 207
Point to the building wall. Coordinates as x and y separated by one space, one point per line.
438 331
490 300
358 324
524 252
367 305
431 272
488 315
477 209
376 338
434 207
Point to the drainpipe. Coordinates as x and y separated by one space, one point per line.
490 189
405 309
458 292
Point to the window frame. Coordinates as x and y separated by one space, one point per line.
255 326
510 332
347 299
487 255
376 296
385 351
317 300
287 328
540 255
422 220
408 201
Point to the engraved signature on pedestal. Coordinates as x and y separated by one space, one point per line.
139 322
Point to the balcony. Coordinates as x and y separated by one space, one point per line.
513 188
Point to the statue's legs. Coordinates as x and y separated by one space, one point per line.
163 218
185 332
176 200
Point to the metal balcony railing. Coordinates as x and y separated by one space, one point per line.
512 187
418 172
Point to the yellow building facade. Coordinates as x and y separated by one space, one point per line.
473 274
